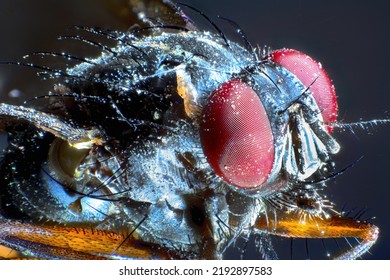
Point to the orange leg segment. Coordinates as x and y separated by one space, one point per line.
60 242
293 225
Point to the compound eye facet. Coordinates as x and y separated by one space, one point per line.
312 75
236 135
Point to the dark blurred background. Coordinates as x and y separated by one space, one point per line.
351 39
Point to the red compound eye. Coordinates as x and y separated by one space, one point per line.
312 75
236 135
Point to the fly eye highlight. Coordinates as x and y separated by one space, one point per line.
312 76
236 135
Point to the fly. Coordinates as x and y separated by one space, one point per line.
173 144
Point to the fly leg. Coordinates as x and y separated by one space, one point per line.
61 242
292 225
76 137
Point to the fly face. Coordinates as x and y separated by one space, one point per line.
172 144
